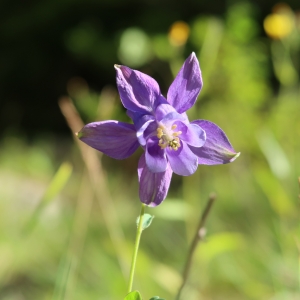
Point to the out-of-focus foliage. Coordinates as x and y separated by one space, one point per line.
252 246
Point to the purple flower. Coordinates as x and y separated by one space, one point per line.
171 142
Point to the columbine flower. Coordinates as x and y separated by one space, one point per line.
171 142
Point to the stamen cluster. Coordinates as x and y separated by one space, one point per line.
168 137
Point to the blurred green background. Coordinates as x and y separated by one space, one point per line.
67 214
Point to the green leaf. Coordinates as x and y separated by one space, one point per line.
135 295
156 298
57 183
62 278
147 220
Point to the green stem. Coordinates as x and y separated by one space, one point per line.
136 247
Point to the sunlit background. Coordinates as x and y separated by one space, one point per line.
67 214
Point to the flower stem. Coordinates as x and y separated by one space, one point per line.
136 247
199 235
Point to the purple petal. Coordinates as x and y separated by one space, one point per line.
145 125
155 156
186 87
134 115
172 117
162 110
217 148
183 161
150 131
192 134
138 91
113 138
141 124
185 117
153 186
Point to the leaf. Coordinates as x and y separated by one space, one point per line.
147 220
135 295
156 298
62 278
57 183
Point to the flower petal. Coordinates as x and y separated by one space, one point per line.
153 186
141 123
192 134
183 161
162 110
186 87
138 91
155 156
217 148
113 138
172 117
150 131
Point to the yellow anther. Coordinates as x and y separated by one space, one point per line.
177 133
174 144
174 127
159 132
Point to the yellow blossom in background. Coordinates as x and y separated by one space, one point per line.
277 26
179 33
280 23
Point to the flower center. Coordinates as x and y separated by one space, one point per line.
168 137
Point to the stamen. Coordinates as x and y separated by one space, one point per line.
167 138
175 144
159 132
177 133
